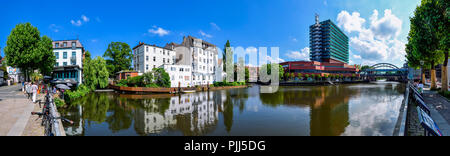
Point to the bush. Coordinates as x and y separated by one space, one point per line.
59 102
445 94
81 91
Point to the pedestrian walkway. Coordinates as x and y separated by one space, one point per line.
440 110
15 112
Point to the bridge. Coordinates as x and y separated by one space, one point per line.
385 70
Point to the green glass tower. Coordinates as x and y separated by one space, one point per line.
327 42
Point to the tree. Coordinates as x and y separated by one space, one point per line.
118 57
443 24
268 69
161 77
424 35
26 50
365 67
224 54
96 73
247 75
47 56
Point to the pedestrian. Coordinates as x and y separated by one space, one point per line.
420 86
34 88
23 86
27 89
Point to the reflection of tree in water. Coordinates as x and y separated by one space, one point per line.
235 97
328 106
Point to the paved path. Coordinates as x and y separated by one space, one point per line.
440 110
15 112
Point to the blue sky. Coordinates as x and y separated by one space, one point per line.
375 36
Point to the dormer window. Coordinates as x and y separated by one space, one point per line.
65 44
56 45
74 44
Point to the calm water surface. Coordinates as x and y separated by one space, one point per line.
357 109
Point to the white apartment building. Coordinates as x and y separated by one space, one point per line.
147 57
203 57
191 63
180 75
69 60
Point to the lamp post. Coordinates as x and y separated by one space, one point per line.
422 74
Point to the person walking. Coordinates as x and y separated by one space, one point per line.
23 86
27 89
34 88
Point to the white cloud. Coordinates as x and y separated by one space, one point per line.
301 56
205 34
76 23
54 27
158 31
79 22
377 43
387 27
84 18
351 22
215 26
274 60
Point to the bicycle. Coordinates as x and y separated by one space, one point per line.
47 117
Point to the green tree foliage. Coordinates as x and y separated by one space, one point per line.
26 50
96 73
224 54
424 36
47 56
118 57
268 69
161 77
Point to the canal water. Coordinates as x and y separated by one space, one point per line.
356 109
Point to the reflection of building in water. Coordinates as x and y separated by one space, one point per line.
190 113
77 128
329 111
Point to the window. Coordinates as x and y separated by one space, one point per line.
57 55
173 68
56 64
74 54
65 44
164 60
64 55
146 49
164 52
146 58
146 67
181 69
64 63
154 66
74 44
154 59
56 45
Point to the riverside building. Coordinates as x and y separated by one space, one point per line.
329 52
194 62
69 61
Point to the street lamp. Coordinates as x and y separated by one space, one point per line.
422 74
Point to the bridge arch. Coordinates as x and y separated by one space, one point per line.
384 65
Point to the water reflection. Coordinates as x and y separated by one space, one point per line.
362 109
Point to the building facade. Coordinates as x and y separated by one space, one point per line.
329 53
319 68
328 43
202 56
180 75
194 62
147 57
69 60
